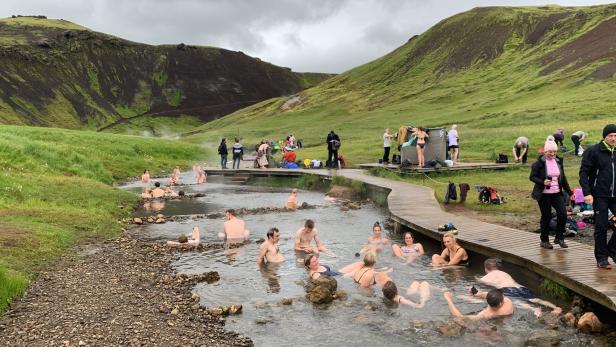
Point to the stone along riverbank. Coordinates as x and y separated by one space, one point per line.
113 293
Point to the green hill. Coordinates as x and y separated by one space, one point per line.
497 72
59 74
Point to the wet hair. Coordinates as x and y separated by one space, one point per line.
377 224
237 140
157 184
451 236
146 170
370 259
492 264
309 224
271 232
183 238
390 290
181 193
308 259
231 211
494 298
408 233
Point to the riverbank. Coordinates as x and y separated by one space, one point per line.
113 293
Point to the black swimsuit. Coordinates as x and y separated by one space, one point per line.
362 275
461 263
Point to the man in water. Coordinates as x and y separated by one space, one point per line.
235 228
508 286
157 192
305 235
292 201
498 306
269 251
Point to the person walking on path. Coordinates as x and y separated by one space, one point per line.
238 153
548 174
577 138
222 150
598 181
454 144
386 145
520 149
333 144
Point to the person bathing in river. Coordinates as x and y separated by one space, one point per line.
194 239
157 192
170 193
269 252
146 194
315 269
305 235
453 254
145 178
498 306
363 272
292 203
376 241
420 290
410 250
234 229
200 175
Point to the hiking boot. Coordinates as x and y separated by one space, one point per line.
546 245
561 243
604 264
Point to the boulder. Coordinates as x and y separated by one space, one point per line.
137 220
235 309
151 220
320 295
160 216
450 329
43 43
551 320
589 323
286 301
543 338
215 311
160 221
568 319
353 206
326 281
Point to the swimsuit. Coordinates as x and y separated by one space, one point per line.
407 249
461 263
518 292
328 272
421 145
362 275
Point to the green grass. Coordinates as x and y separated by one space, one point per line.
57 189
47 23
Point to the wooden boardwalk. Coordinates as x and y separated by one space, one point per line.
417 208
458 167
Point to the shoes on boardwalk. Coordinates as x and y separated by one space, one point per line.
604 264
546 245
561 243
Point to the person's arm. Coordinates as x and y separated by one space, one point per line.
261 256
350 269
298 240
452 307
457 257
587 167
515 155
535 174
320 246
408 302
523 151
421 249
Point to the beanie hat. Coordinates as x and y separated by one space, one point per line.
550 146
610 128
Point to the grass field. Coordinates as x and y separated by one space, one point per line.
57 190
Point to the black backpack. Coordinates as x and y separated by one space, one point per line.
451 193
502 159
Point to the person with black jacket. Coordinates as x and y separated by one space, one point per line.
598 181
238 153
548 174
222 150
333 144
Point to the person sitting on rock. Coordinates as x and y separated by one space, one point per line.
170 193
269 252
498 306
195 239
292 203
234 229
421 290
376 240
315 269
410 250
305 235
499 279
157 192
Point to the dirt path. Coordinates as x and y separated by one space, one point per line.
114 293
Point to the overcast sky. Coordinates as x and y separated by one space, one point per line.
305 35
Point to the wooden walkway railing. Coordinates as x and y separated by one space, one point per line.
417 208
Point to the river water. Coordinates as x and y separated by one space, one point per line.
363 318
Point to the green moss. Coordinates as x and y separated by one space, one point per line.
174 96
160 70
46 23
556 290
93 78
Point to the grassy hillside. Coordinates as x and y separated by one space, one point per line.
57 189
58 74
497 72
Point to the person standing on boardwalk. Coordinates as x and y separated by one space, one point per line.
548 174
520 149
386 145
238 153
598 181
422 137
222 150
333 144
577 138
454 143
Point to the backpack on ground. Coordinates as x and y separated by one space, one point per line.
451 193
502 159
489 195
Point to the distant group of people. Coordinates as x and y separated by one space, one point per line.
174 180
418 137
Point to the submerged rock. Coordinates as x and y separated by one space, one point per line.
568 319
137 220
589 323
320 295
450 329
543 338
286 301
551 320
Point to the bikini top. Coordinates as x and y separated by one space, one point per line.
411 249
462 262
362 275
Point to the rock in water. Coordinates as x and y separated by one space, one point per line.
568 319
137 220
326 281
450 329
543 338
235 309
160 221
320 295
286 301
589 323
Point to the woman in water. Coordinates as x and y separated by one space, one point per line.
410 250
363 272
315 269
145 178
453 254
376 240
194 239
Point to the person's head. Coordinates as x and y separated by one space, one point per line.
454 127
549 149
408 238
390 290
386 130
157 184
167 190
183 238
145 171
370 259
273 234
312 262
181 193
224 140
308 225
492 264
376 229
230 213
495 298
609 134
449 240
237 140
294 191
